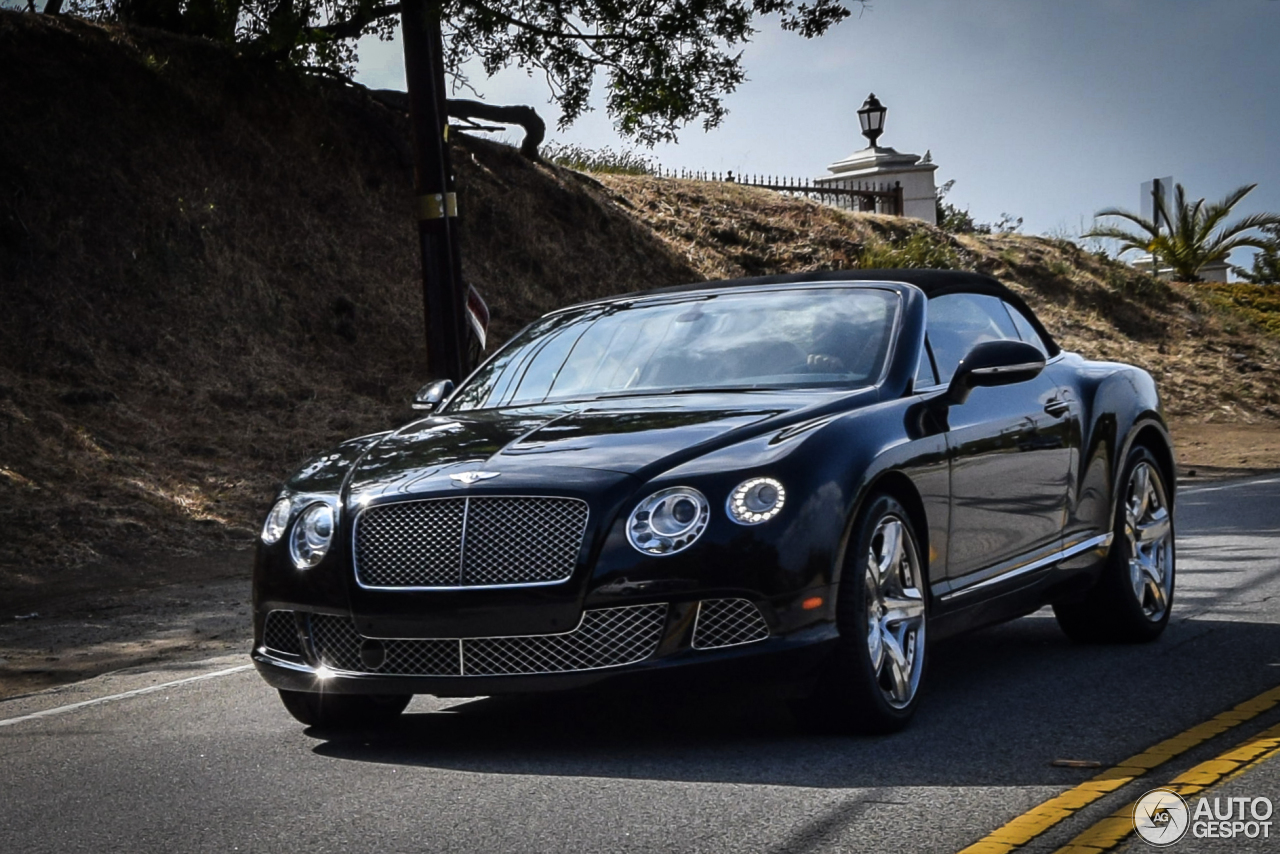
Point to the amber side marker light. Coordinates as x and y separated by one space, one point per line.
811 603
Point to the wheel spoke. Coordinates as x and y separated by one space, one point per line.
1155 587
902 609
1155 528
899 668
875 646
1155 580
890 548
1141 490
1151 568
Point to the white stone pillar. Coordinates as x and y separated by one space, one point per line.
875 168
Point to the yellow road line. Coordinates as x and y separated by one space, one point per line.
1112 830
1039 819
1254 763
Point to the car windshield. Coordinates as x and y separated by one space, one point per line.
793 338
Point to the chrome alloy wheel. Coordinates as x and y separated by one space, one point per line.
1149 530
895 611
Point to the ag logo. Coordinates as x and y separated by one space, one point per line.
1161 817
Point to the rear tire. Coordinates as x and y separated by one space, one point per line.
1133 597
344 711
873 680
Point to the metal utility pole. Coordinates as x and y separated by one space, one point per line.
443 294
1155 194
1155 220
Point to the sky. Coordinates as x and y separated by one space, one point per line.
1045 109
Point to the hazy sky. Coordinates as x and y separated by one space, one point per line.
1046 109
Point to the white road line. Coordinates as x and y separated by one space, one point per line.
149 690
1199 489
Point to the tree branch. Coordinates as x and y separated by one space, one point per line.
352 27
535 129
542 31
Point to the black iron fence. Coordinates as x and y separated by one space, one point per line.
866 196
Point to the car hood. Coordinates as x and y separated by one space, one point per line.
533 445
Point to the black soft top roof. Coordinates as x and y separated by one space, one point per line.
933 282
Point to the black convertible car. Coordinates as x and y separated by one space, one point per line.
799 479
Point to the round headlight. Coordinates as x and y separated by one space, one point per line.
756 500
668 521
277 521
312 534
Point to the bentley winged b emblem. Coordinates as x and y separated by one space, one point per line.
467 478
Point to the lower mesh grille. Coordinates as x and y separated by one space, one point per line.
338 645
604 638
608 637
280 634
728 622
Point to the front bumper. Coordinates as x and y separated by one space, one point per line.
718 641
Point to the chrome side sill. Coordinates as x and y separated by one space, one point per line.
1100 542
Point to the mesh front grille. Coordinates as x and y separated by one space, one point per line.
280 634
336 642
605 638
728 622
434 657
507 541
522 540
338 645
411 544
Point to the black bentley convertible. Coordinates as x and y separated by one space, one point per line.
802 479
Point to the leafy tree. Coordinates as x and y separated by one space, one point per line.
666 62
1198 234
1266 264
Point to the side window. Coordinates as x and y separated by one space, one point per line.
959 322
1025 330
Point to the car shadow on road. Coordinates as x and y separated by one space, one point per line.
1002 705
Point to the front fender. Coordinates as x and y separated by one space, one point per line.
1119 404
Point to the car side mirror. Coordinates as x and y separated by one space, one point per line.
993 363
431 394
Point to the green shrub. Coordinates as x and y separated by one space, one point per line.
1260 304
920 250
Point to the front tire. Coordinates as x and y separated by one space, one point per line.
873 682
344 711
1134 595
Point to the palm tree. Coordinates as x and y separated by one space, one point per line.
1196 235
1266 264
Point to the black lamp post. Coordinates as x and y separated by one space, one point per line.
871 117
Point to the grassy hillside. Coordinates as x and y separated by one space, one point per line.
208 271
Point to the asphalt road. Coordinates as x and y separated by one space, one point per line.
215 763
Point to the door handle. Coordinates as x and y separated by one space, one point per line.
1057 407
